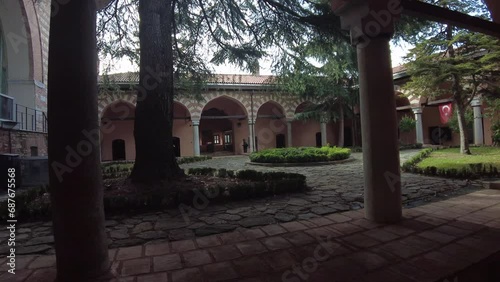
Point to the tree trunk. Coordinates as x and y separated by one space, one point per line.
341 127
155 156
75 175
462 125
457 95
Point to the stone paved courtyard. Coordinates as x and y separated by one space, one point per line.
335 188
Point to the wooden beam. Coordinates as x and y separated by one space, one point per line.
442 15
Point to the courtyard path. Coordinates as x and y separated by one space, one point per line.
334 188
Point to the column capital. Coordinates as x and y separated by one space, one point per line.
417 111
251 121
195 122
476 102
367 19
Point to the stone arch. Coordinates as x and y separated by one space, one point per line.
120 111
300 105
107 100
281 108
240 100
260 100
189 104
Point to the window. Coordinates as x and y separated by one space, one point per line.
216 139
3 64
6 107
34 151
228 138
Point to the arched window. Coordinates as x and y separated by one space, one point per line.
3 63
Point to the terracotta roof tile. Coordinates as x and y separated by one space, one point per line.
133 78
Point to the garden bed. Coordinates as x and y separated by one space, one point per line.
300 155
483 162
206 184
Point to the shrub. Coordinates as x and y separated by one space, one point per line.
300 155
202 171
186 160
407 124
248 174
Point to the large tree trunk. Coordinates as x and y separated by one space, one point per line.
155 156
75 175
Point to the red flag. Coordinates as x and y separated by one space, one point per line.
445 111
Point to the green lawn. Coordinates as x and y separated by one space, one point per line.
451 158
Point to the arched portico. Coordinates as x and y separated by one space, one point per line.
270 126
223 126
117 123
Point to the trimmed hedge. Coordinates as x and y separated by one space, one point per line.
474 171
300 155
256 184
118 169
250 184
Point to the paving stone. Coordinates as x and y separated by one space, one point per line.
182 246
42 262
126 243
180 234
284 217
214 229
322 210
157 249
223 253
131 221
251 247
196 258
219 271
129 253
256 221
143 226
110 223
187 275
167 262
136 266
238 210
150 235
23 230
228 217
40 241
208 241
119 234
169 224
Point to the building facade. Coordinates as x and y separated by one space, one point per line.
238 114
24 37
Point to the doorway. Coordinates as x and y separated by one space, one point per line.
118 148
177 146
280 141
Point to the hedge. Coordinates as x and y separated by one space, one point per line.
252 184
474 171
300 155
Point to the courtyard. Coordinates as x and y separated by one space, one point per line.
334 188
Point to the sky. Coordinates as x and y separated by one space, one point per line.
397 54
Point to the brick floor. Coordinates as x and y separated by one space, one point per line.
430 244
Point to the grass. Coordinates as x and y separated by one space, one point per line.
452 159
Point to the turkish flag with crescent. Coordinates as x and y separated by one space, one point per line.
445 112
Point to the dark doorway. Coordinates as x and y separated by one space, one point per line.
318 139
280 141
118 148
256 144
177 146
348 137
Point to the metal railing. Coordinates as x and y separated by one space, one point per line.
30 119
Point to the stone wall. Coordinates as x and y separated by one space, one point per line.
22 142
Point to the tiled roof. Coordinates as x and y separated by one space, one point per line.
398 69
133 78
